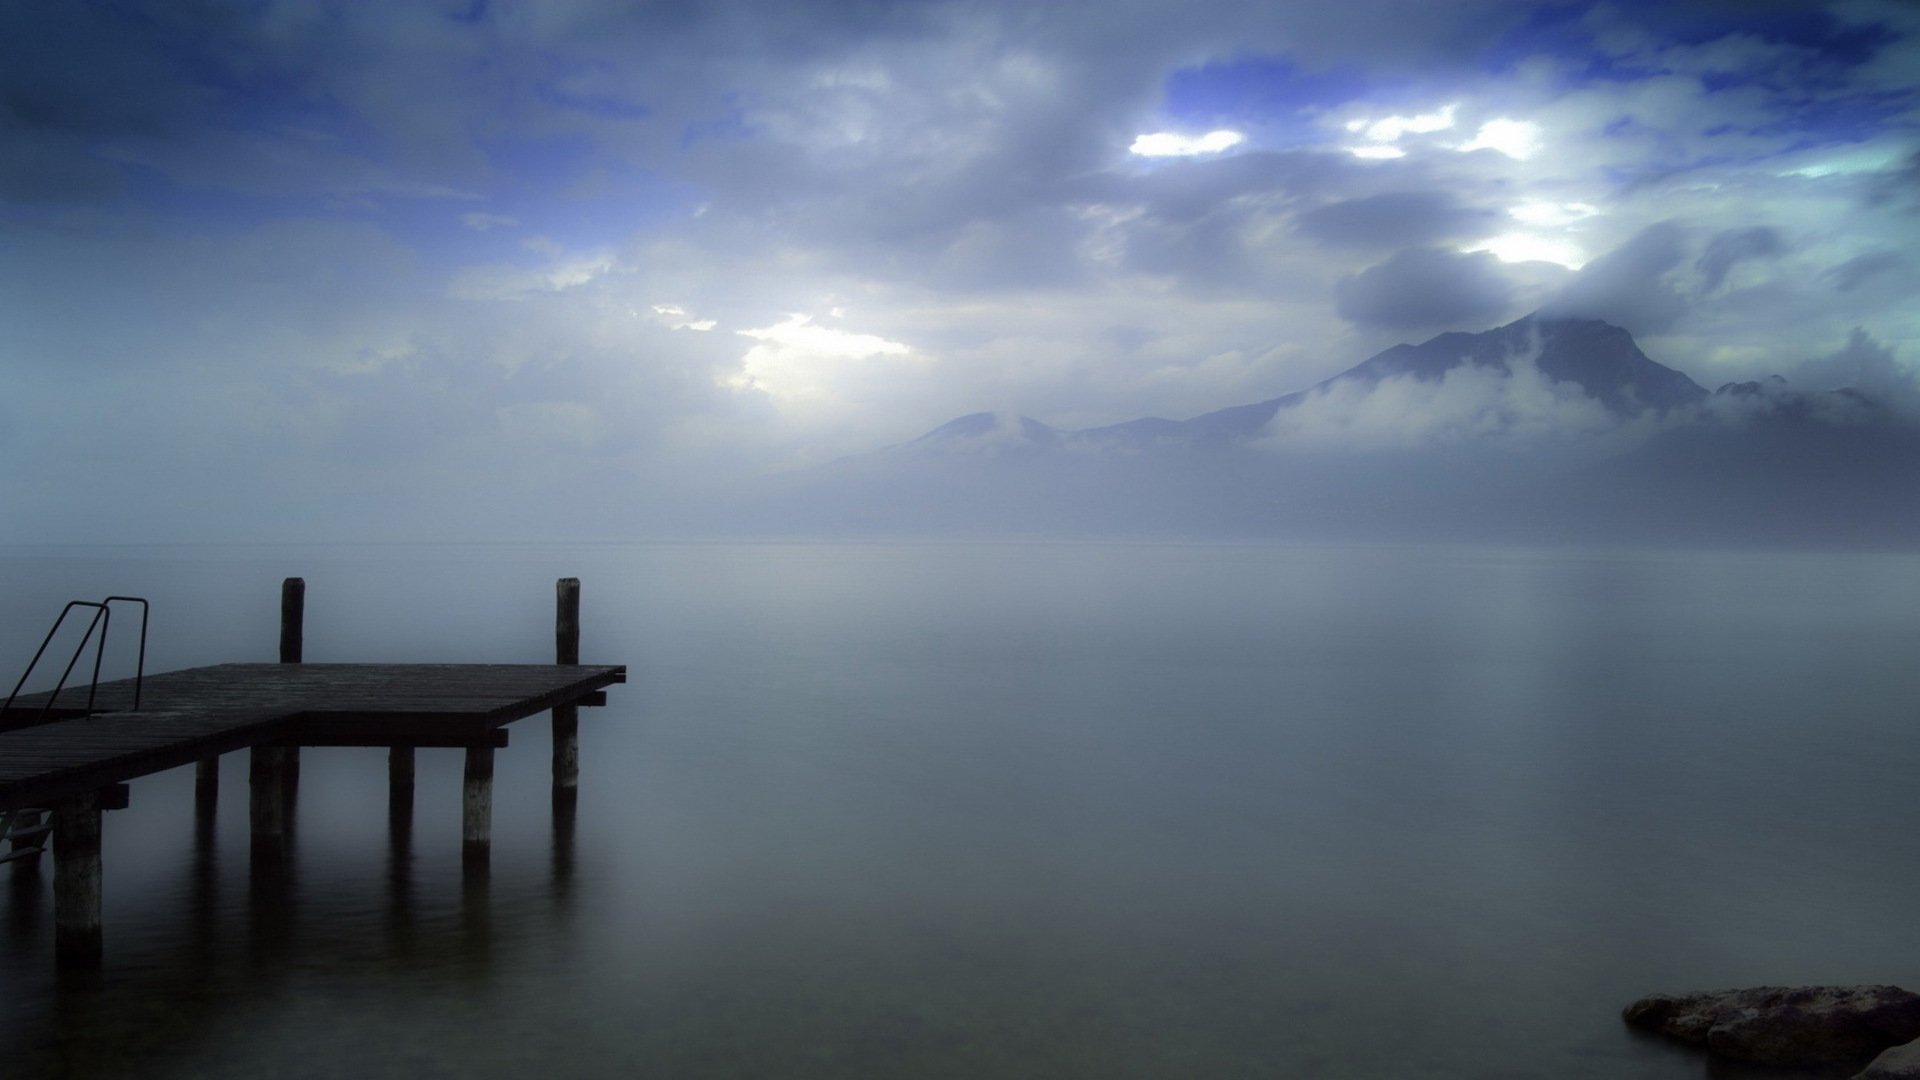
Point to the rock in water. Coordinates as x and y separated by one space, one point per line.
1899 1063
1786 1025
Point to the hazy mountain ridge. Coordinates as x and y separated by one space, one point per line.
1601 359
1545 428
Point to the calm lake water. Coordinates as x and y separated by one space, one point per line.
1017 811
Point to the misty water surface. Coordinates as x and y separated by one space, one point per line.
1019 810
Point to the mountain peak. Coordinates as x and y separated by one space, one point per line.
1599 357
988 428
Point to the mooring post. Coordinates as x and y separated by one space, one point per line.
293 616
566 718
76 881
476 819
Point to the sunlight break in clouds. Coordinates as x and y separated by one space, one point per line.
1526 247
800 363
1518 139
1540 212
675 316
1382 134
1168 144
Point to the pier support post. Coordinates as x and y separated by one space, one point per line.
267 781
399 782
206 786
476 819
76 882
566 718
293 616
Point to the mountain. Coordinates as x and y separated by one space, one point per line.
1545 429
1598 357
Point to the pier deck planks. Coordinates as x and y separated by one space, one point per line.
196 712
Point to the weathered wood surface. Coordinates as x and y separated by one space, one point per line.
192 714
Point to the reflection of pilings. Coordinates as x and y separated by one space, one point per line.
476 912
270 868
205 884
24 900
400 863
566 807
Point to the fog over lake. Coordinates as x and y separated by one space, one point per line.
1150 539
1020 810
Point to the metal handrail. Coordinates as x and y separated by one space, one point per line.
140 665
103 621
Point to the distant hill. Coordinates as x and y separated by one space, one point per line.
1651 455
1600 358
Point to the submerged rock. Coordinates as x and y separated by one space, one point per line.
1900 1063
1786 1025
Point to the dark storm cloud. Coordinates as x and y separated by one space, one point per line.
1396 220
1425 288
1732 247
1627 286
71 74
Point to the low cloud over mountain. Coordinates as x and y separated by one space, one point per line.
1550 427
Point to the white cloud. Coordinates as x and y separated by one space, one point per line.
797 362
1518 139
1469 404
675 316
1390 128
1529 247
1382 134
1542 212
1169 144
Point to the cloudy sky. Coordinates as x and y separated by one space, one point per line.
369 270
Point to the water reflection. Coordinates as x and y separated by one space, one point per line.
566 810
400 863
26 902
1061 811
313 927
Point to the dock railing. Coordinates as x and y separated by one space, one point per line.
102 621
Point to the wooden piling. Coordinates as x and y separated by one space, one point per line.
267 801
293 612
293 619
476 819
76 881
206 786
400 782
566 718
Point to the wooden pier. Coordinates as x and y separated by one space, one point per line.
54 755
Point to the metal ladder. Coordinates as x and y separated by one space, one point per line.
26 829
